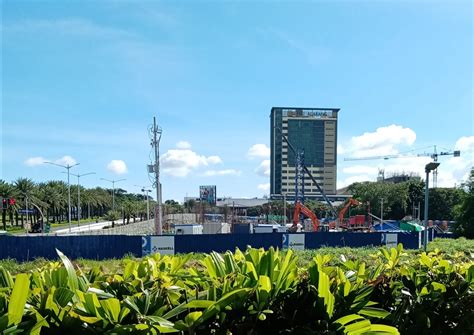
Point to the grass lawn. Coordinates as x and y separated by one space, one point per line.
457 250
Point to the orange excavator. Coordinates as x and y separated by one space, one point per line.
302 209
350 202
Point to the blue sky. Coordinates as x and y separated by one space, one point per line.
81 81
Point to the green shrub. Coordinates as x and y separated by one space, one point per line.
245 292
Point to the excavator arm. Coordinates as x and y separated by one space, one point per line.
302 209
350 202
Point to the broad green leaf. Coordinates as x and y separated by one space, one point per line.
63 296
18 298
163 325
40 323
6 279
325 293
356 328
438 287
199 304
111 308
192 317
383 329
470 274
348 319
374 312
91 303
347 288
264 283
72 276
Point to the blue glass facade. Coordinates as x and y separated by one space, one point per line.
312 129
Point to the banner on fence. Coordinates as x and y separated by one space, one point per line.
157 244
293 241
390 240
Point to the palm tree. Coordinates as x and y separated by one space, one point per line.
7 191
129 209
88 198
53 193
27 192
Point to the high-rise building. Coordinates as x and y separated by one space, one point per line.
312 131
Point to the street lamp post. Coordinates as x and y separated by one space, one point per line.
67 167
79 194
147 204
143 188
113 181
428 168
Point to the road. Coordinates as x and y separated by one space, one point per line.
86 227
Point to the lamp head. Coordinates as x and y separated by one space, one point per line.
431 166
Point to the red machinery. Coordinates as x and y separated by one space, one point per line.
342 212
350 202
302 209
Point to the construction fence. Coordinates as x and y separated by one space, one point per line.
25 248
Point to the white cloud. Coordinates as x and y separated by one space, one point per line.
382 142
264 187
180 162
340 149
264 168
228 172
354 179
183 145
465 144
214 160
117 166
361 169
259 151
65 160
35 161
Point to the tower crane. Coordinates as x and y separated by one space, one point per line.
434 155
301 169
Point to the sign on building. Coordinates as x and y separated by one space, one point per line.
207 193
293 241
164 245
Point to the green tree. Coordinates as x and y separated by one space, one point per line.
112 216
442 202
26 190
394 197
254 211
7 191
464 212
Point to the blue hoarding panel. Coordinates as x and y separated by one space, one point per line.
24 248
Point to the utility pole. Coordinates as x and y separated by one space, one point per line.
381 211
67 167
26 202
428 168
79 194
113 181
156 169
144 189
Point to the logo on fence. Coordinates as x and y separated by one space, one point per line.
390 240
293 241
157 244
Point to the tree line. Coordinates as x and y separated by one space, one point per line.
50 201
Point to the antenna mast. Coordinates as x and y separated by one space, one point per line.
156 169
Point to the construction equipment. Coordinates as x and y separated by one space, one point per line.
350 202
302 168
434 155
302 209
